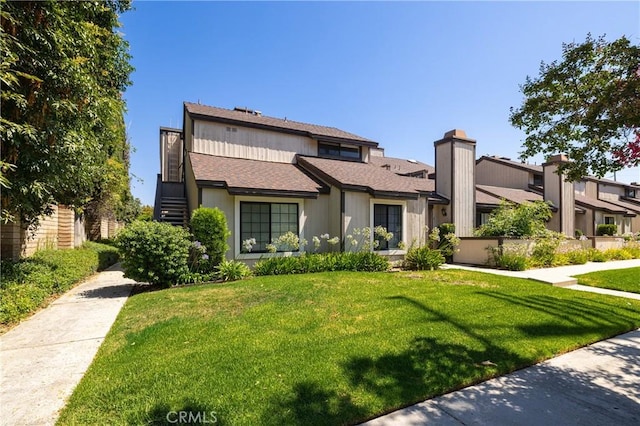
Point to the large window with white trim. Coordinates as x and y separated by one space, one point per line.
266 222
388 216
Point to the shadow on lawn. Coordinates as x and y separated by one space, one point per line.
429 367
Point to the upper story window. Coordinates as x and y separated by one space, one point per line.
631 193
336 150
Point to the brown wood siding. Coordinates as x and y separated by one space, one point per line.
66 228
235 141
495 174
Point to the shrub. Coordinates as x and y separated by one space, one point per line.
577 257
232 270
578 233
155 252
511 258
596 255
321 262
27 284
107 254
544 250
633 248
365 262
521 221
423 258
617 254
284 265
607 229
209 226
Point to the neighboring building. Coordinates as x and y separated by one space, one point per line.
595 201
271 175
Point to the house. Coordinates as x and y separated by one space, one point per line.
273 175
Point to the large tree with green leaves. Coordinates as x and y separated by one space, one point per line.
64 68
587 106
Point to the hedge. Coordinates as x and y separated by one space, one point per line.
32 282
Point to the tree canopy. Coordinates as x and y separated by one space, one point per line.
64 68
586 106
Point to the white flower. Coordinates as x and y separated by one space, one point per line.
333 241
325 236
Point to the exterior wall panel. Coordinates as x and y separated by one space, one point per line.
256 144
495 174
357 213
221 199
610 192
464 189
317 223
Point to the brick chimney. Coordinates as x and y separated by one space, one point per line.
456 180
560 193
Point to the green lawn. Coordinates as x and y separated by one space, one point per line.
617 279
329 348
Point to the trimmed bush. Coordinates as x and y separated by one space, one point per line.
423 258
209 226
29 283
155 252
321 262
607 229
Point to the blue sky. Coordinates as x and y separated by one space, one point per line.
399 73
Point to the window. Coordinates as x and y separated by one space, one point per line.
538 180
609 220
335 150
482 218
389 217
266 222
631 193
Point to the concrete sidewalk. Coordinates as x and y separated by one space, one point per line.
595 385
560 276
43 358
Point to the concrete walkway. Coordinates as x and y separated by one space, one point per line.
595 385
561 276
43 358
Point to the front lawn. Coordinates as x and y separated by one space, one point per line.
328 348
617 279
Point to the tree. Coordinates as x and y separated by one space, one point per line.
64 68
586 106
526 220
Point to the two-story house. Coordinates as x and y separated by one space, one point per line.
274 175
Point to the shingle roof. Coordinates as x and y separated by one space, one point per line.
486 199
400 165
626 205
365 177
239 175
311 130
514 195
534 168
602 205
